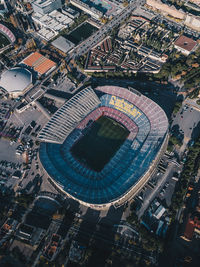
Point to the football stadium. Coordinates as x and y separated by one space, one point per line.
102 146
6 37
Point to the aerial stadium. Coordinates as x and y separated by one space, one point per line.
102 146
6 38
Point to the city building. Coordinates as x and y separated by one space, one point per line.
51 24
128 168
92 11
197 2
185 45
53 247
46 6
16 81
165 9
62 44
71 13
76 252
192 228
39 63
192 22
155 219
3 7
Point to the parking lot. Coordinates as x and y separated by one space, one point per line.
10 164
186 125
18 140
161 185
10 151
27 116
64 84
187 118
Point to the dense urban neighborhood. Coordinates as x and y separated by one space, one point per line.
99 133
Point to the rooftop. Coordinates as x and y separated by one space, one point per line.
39 63
16 79
43 3
192 223
63 44
185 43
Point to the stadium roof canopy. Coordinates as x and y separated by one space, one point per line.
68 116
16 79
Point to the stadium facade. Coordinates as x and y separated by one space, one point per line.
5 31
129 169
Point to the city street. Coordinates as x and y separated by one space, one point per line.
164 178
100 34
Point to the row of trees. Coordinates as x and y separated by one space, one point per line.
177 107
173 141
24 199
181 67
194 93
189 172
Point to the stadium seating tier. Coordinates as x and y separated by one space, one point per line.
148 126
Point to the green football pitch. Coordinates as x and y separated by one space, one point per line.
99 143
3 41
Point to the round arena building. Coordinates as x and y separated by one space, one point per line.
102 146
16 81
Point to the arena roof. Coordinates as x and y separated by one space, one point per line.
39 63
16 79
130 163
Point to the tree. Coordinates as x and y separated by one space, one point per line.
104 20
125 3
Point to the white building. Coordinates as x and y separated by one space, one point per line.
63 44
192 22
159 212
51 24
46 6
71 13
16 81
87 9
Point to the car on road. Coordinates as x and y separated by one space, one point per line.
166 184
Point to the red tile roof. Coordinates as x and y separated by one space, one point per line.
185 43
190 227
39 63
